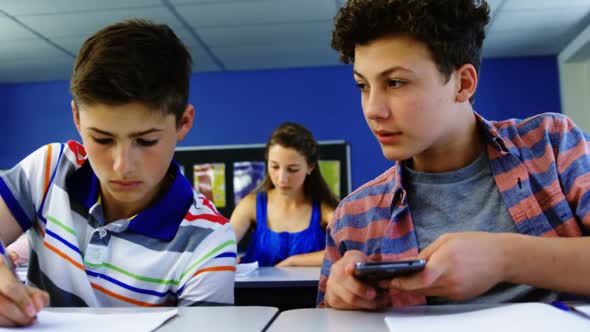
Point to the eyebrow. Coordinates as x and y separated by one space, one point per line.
385 72
289 165
135 134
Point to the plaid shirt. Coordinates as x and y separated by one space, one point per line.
541 166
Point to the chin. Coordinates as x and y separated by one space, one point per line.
395 154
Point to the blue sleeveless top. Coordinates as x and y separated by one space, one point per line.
269 247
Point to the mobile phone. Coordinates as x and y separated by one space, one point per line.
375 271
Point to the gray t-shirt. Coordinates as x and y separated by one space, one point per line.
461 201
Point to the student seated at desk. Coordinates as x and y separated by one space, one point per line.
113 222
500 210
291 209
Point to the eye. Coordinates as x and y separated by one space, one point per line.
395 83
103 141
146 142
361 86
293 170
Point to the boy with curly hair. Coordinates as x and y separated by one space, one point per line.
500 210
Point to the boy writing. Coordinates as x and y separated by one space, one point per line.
500 210
113 222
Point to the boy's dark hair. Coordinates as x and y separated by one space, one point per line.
296 137
133 61
453 30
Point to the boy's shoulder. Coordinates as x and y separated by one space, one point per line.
202 213
381 185
548 121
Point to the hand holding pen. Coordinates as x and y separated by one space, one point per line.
19 304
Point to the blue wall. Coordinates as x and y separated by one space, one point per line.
245 106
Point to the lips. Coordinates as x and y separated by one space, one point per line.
387 137
125 185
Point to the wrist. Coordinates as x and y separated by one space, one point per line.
509 256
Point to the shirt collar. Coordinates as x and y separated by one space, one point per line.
491 136
160 220
494 138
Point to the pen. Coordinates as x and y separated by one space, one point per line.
566 307
8 263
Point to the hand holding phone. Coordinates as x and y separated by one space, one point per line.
376 271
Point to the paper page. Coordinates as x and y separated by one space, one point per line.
51 321
520 317
584 308
244 269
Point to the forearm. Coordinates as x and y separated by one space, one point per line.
561 264
308 259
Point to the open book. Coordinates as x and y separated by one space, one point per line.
537 317
244 269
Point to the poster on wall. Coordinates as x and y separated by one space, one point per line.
247 176
330 170
209 179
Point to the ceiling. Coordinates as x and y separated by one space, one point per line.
40 38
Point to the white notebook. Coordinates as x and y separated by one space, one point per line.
50 321
244 269
537 317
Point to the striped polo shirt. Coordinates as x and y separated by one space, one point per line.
178 251
541 166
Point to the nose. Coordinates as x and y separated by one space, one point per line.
123 160
375 105
283 177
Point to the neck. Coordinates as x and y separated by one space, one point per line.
457 149
288 200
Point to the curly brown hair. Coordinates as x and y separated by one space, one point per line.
133 61
453 30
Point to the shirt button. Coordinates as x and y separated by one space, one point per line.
102 233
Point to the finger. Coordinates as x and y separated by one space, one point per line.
417 281
14 257
11 314
5 322
337 302
16 293
40 298
427 252
356 294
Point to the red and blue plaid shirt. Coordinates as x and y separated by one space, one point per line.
541 166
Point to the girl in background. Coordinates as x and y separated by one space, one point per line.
292 207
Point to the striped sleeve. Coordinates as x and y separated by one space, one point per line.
209 277
572 147
24 187
331 256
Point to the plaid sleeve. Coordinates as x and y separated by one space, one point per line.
331 256
572 149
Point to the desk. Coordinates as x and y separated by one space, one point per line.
271 277
331 320
511 317
281 287
223 319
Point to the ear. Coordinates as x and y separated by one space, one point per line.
186 122
466 82
76 115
